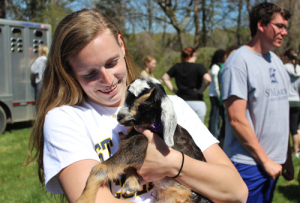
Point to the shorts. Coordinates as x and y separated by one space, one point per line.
261 187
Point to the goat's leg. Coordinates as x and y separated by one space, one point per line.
131 184
132 153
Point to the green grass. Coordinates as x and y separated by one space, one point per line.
288 191
20 184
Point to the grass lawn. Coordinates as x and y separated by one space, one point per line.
20 184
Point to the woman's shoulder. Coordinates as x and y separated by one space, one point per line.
215 67
144 74
64 111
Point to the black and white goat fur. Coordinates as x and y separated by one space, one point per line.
146 104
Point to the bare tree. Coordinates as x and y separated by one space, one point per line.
171 8
116 10
204 21
238 30
33 8
197 25
2 9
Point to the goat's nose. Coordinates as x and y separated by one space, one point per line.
120 116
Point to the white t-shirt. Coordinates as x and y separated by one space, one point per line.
214 85
74 133
39 66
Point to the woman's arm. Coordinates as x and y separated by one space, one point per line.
216 179
215 79
167 80
73 178
206 82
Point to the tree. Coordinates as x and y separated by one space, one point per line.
2 9
174 8
116 10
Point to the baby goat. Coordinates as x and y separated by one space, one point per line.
148 105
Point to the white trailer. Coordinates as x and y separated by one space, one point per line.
19 43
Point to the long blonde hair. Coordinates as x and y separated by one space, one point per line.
60 87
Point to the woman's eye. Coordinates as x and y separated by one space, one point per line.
112 64
90 75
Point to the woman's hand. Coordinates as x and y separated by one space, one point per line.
160 160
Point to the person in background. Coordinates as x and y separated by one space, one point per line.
221 137
88 71
38 68
217 62
149 65
293 69
191 79
255 88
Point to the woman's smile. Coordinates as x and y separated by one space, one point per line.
108 90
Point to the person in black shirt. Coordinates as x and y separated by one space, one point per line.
191 79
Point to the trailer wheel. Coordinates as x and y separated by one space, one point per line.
3 120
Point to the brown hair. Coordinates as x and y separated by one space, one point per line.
292 56
265 12
60 87
187 53
147 60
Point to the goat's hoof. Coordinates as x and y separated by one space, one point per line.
129 188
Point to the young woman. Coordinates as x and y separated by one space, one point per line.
217 62
292 67
149 65
87 73
38 68
191 79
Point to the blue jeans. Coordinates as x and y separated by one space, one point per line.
214 117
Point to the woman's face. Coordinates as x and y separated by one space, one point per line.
100 69
152 64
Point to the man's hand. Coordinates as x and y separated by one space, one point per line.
272 168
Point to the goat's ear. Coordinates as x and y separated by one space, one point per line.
169 121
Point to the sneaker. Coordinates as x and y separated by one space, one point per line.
296 155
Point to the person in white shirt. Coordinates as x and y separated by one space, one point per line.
85 83
292 67
217 62
38 68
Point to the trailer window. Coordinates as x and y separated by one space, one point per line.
38 33
16 31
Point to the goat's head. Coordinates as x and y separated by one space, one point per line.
147 104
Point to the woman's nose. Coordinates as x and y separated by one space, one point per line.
105 76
